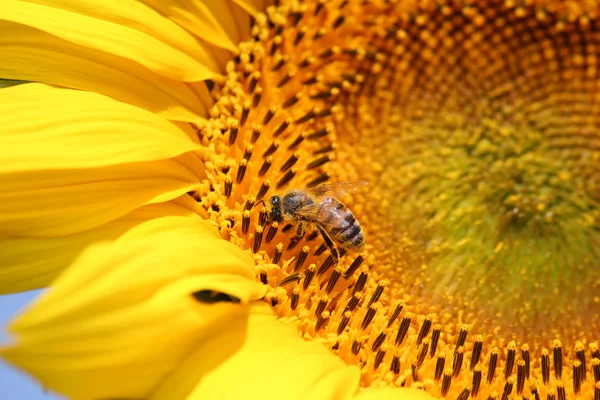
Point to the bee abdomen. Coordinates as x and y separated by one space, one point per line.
351 236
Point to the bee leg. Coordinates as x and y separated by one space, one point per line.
335 254
300 230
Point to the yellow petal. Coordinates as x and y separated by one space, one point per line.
123 316
392 394
254 6
126 28
63 202
210 20
33 55
259 357
49 128
32 263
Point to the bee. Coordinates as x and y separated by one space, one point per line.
320 207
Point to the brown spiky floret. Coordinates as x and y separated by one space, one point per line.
473 121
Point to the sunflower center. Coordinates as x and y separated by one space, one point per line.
486 127
476 127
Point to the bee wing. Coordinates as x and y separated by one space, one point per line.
336 189
325 212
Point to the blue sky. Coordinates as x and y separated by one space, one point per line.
15 385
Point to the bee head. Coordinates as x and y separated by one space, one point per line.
275 213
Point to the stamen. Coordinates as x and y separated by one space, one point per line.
297 141
255 134
290 162
306 117
508 387
395 365
435 338
321 321
241 171
278 253
269 115
249 203
245 113
520 377
321 305
424 331
597 391
289 279
263 278
360 282
560 390
254 77
322 150
301 258
256 97
596 369
526 359
284 125
557 358
492 365
265 166
370 314
462 336
476 380
354 266
446 381
545 366
394 315
403 329
328 263
318 162
286 178
279 62
227 186
378 341
318 134
300 35
245 221
333 278
233 132
457 360
352 303
321 249
295 298
271 232
262 217
580 354
344 322
308 276
291 101
578 376
464 395
264 188
356 346
324 177
272 148
286 78
423 352
510 359
439 366
376 294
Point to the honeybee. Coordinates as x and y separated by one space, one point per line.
320 207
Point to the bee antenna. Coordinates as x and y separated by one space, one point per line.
260 201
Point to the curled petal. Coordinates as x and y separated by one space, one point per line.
259 356
126 313
127 28
32 263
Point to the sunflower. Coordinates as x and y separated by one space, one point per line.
474 123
